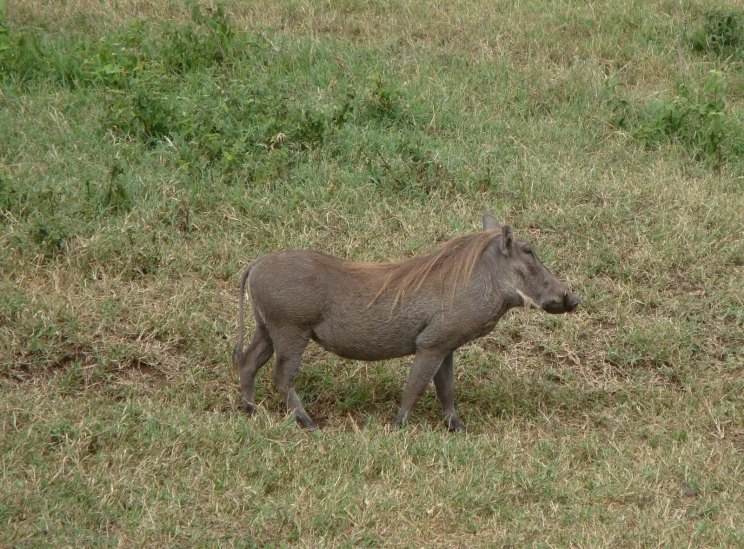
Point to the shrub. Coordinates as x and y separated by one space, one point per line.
696 119
721 32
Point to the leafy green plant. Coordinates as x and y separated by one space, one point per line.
49 232
311 128
384 103
211 39
696 119
116 60
721 32
146 108
115 197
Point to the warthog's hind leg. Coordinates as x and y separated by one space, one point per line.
444 381
289 348
257 354
425 366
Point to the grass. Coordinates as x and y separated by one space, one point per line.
148 151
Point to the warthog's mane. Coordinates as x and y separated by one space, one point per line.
453 263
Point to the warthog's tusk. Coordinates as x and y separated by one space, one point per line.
529 303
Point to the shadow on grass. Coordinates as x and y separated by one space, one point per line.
351 395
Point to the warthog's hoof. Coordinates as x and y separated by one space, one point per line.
454 425
249 408
305 422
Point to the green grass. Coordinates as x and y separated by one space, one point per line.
148 151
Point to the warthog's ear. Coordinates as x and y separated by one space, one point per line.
507 239
490 223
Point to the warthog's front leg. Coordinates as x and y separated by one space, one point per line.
425 365
444 381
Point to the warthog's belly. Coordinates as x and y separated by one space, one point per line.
379 345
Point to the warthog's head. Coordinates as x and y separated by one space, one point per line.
520 270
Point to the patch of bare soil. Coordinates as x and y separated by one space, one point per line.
32 369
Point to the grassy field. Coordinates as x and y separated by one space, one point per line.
150 150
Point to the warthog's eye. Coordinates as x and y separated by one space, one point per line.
528 250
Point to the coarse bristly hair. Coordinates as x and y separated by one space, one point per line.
454 262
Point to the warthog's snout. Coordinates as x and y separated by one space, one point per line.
565 305
571 301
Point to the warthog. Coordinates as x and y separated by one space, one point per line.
427 306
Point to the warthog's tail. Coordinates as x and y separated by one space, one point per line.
237 354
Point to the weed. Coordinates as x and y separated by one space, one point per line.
720 32
696 119
48 231
384 102
311 129
115 197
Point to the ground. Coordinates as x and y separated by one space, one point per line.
149 151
